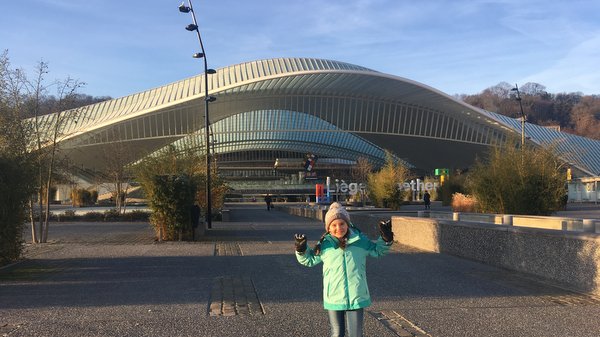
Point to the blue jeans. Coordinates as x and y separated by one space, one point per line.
352 319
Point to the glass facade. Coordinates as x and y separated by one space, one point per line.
287 107
581 152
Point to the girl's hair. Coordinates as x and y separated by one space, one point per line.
342 242
317 248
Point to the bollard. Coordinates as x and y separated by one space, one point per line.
455 216
507 220
589 225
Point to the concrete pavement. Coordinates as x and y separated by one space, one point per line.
112 279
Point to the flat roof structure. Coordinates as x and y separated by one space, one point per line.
293 106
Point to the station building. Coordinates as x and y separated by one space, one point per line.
270 116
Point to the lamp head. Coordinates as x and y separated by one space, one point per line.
184 9
210 99
191 27
211 71
198 55
518 98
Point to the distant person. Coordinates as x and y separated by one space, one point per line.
195 218
427 200
268 200
343 249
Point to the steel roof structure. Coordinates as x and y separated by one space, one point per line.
329 108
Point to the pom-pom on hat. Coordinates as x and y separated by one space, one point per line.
336 211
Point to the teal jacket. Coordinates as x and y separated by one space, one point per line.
344 270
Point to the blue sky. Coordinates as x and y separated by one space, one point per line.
123 47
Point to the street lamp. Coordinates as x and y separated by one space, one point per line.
207 99
516 88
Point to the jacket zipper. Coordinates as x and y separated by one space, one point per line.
346 281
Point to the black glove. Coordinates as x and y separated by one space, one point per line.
300 243
385 229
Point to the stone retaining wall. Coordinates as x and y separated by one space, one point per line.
566 258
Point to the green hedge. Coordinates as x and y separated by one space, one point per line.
14 193
108 215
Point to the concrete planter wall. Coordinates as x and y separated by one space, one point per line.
566 258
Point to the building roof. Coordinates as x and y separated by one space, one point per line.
325 107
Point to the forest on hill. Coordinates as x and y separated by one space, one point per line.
574 112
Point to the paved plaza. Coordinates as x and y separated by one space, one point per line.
113 279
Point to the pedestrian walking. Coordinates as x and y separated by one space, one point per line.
427 200
343 250
195 218
268 200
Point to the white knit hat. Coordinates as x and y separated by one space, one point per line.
336 211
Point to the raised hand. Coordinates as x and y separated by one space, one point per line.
385 229
300 243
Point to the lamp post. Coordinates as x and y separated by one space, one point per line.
207 99
518 98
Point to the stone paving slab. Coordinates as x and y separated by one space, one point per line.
76 287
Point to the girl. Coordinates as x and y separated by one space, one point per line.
343 250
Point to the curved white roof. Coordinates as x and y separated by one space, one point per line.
420 124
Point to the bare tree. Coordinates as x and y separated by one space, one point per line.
360 174
532 88
117 157
362 170
23 98
585 116
48 132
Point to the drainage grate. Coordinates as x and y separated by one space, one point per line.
398 324
232 296
227 249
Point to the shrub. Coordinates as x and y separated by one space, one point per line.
68 215
463 203
82 197
383 185
455 183
13 201
136 215
171 199
172 182
94 196
93 216
518 180
111 215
